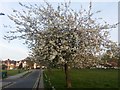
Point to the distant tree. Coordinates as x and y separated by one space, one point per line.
58 35
4 67
114 51
29 62
112 54
20 66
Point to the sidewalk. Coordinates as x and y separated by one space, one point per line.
3 84
18 75
41 84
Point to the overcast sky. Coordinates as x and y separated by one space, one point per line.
16 50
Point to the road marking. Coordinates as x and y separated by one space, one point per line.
9 85
35 85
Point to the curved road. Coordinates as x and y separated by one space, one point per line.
25 83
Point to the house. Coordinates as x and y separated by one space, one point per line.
35 65
24 64
11 64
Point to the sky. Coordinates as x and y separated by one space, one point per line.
16 50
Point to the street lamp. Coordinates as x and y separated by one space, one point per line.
5 74
2 14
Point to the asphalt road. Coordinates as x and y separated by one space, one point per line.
25 83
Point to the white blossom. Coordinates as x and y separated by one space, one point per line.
61 34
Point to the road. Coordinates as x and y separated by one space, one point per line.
24 83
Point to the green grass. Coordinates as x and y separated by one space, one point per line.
13 72
83 78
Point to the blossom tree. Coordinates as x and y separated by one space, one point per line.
114 51
58 35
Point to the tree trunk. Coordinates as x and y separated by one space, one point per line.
67 74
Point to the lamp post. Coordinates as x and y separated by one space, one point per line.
5 73
2 14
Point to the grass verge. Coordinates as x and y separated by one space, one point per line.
82 78
13 72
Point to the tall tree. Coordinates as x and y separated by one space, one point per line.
58 35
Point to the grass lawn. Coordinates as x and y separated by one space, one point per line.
13 72
83 78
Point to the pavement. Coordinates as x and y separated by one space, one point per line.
3 82
41 83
